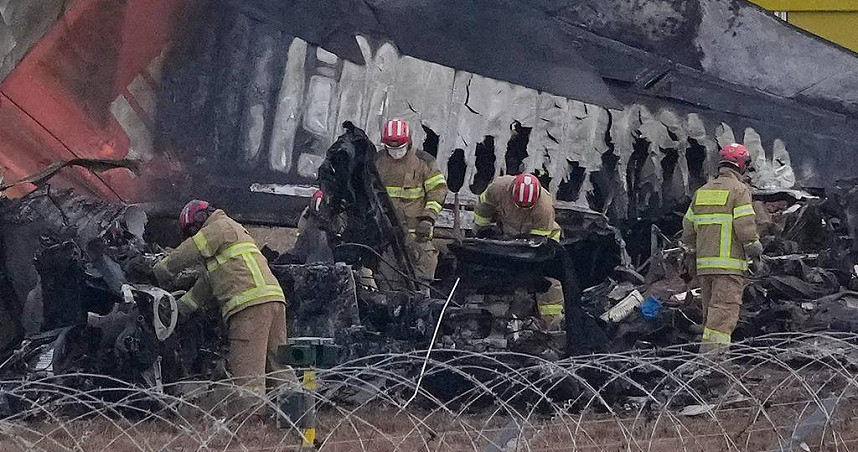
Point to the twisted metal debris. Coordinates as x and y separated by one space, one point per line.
779 392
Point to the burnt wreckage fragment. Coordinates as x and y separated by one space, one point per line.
494 311
76 287
350 181
76 275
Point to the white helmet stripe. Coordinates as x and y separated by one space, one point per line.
530 193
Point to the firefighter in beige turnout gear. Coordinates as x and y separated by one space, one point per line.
417 190
518 206
238 281
720 235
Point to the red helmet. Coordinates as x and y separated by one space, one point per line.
189 212
735 154
316 200
396 133
525 190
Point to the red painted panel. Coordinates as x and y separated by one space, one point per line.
26 147
69 80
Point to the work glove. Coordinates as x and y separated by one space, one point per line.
187 307
423 232
754 250
688 263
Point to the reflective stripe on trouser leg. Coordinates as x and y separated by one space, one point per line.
717 337
550 305
723 309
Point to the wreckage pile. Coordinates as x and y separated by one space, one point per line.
805 282
809 278
79 296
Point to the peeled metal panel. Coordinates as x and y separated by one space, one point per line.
7 40
352 86
502 39
287 116
141 139
319 96
382 66
258 95
421 95
22 24
144 95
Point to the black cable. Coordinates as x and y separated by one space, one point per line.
381 258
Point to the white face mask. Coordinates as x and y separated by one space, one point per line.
397 153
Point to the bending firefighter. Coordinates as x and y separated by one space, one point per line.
720 235
517 206
417 190
237 281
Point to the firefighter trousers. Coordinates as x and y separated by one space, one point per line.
550 306
255 333
722 301
423 255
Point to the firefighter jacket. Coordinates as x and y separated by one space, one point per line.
496 206
237 274
414 184
719 225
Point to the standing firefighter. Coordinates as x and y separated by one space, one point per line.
236 280
417 190
518 206
720 235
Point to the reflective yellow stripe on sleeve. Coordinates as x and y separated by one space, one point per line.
555 235
187 303
202 244
434 206
550 309
480 220
689 214
743 211
434 182
710 335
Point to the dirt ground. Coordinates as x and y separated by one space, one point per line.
382 429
